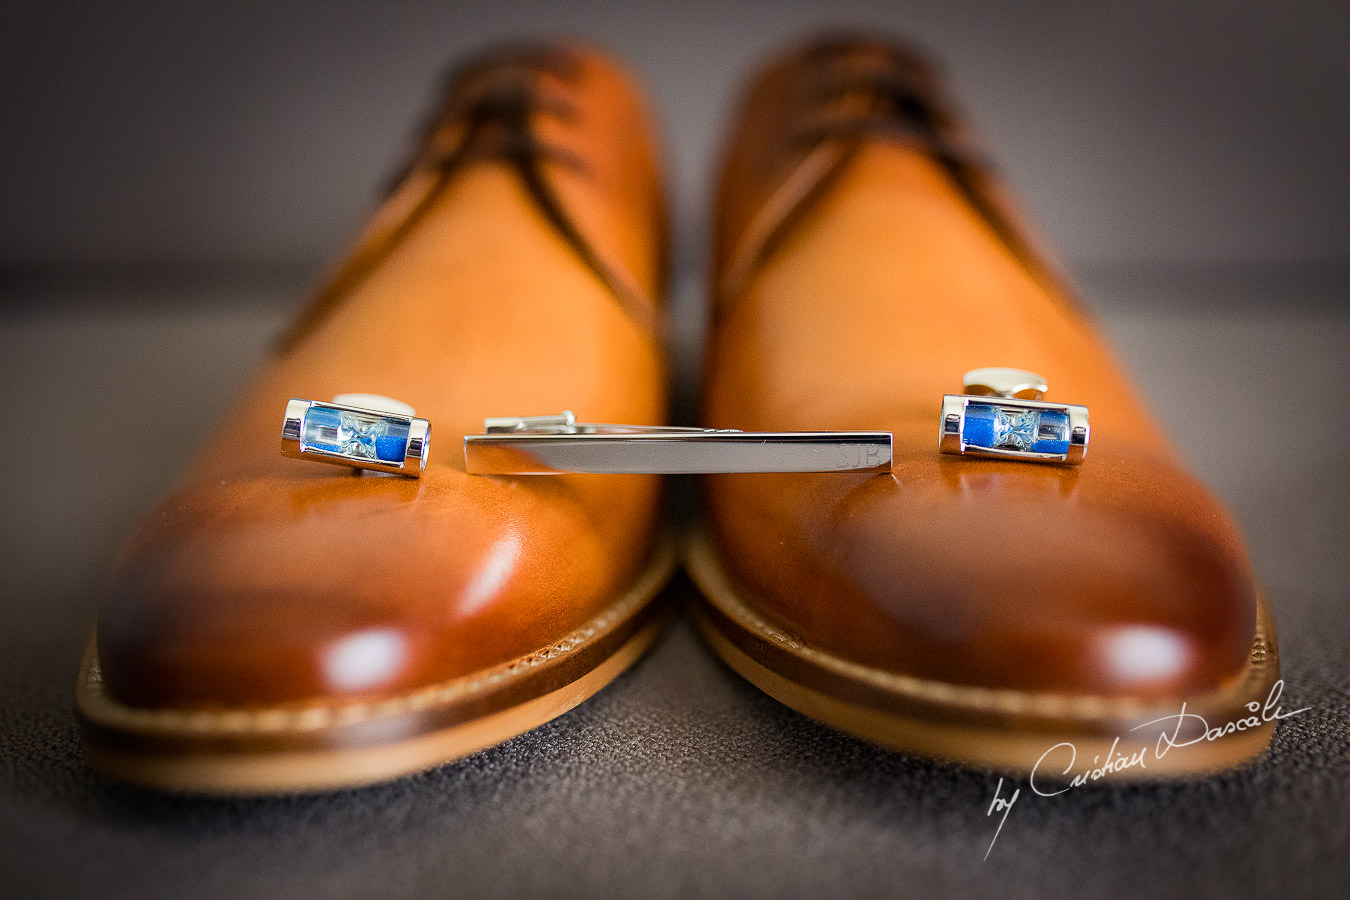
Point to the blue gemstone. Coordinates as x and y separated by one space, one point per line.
1008 428
392 446
357 434
1015 429
390 450
978 430
321 429
1052 434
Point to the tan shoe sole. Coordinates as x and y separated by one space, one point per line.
299 747
1006 730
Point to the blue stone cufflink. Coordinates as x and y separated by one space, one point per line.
363 431
1002 415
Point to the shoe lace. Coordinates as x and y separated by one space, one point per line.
864 89
869 90
490 112
490 109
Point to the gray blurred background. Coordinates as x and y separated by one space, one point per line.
256 134
173 173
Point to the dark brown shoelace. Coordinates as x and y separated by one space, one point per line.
861 90
489 113
492 103
856 89
496 103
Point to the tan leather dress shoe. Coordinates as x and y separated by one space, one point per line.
276 625
976 609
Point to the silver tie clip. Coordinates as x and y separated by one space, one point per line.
552 445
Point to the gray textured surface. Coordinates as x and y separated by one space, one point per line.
679 779
1152 130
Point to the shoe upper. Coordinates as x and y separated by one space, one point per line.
866 259
516 268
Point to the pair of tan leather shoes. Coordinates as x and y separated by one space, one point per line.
279 626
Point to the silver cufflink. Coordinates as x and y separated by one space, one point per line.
555 444
1001 415
363 431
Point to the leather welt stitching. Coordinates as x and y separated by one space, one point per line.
105 709
981 699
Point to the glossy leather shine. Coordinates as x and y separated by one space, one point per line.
870 290
500 277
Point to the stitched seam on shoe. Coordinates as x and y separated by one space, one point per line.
976 698
104 709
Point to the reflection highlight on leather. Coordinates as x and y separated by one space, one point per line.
496 569
364 660
321 492
1141 654
984 479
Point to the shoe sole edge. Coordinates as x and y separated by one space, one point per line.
1004 730
309 747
